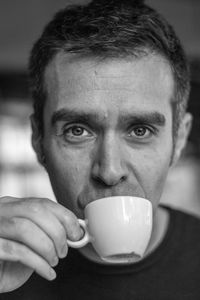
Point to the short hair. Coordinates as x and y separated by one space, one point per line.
109 29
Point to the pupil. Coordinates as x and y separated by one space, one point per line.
77 130
140 131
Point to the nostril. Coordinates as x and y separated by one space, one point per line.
123 178
108 181
98 180
109 167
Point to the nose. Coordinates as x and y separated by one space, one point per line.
109 166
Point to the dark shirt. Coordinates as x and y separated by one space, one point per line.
171 272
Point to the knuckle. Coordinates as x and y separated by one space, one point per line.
44 201
6 225
63 237
7 247
21 226
35 206
21 252
62 234
59 239
49 248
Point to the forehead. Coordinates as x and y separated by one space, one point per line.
75 82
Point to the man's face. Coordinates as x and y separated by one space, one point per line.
107 128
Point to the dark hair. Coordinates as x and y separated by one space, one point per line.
104 29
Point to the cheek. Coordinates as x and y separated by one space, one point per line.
158 173
151 173
68 172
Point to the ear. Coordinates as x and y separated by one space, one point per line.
36 140
182 136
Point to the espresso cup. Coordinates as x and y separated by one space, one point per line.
119 228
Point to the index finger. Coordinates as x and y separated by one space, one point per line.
56 220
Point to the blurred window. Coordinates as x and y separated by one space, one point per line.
20 173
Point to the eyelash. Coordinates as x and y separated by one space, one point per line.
66 128
152 130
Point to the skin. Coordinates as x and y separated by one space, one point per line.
107 158
111 152
107 132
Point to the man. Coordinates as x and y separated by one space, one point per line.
110 86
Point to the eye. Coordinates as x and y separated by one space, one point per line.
140 132
76 132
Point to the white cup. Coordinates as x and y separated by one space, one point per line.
119 228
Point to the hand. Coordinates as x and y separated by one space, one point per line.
33 236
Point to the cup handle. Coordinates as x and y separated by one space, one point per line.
85 239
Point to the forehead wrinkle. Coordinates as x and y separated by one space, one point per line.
68 84
63 72
92 75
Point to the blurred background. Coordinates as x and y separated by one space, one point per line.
21 23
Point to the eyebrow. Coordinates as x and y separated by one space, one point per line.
69 115
154 118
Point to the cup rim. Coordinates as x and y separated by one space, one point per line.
94 202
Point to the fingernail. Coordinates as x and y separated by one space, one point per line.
63 251
54 261
52 274
78 235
